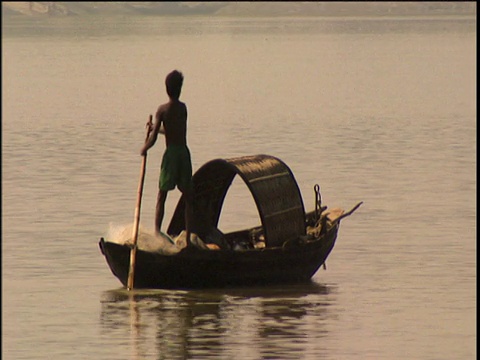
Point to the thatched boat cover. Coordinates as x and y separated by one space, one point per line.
272 185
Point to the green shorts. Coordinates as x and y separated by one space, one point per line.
176 168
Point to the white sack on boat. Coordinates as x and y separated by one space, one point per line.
146 240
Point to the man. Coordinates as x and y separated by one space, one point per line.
176 168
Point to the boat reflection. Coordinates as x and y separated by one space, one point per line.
267 322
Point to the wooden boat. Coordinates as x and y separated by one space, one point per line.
288 247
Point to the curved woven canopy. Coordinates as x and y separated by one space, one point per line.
272 185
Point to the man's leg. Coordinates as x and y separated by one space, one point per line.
188 194
160 210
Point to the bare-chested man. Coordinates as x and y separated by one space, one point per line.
176 168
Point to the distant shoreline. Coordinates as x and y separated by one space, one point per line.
221 9
244 17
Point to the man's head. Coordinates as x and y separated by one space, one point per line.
174 82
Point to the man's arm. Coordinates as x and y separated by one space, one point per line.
152 138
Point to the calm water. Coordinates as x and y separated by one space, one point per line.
380 111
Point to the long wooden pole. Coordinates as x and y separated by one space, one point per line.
133 251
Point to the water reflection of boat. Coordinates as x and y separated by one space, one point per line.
288 247
255 322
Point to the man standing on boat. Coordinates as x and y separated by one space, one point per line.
176 168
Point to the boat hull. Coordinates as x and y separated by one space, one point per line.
196 268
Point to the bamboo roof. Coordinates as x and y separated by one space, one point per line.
272 185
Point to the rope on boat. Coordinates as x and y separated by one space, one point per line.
319 209
318 201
